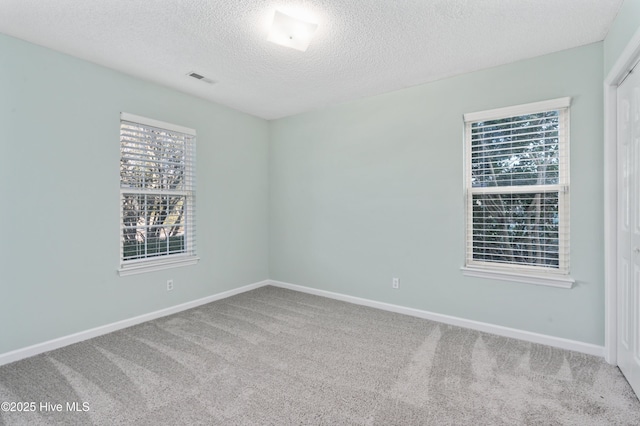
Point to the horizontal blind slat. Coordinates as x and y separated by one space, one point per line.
158 192
517 190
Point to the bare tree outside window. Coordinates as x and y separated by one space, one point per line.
517 191
157 192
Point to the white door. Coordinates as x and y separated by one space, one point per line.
628 147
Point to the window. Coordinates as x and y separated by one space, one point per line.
517 193
157 195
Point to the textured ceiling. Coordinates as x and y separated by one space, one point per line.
361 47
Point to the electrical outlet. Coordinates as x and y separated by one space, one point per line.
169 285
395 283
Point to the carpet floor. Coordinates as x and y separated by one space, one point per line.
278 357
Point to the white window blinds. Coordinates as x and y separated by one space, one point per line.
157 188
517 184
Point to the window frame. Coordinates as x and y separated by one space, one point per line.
509 271
163 261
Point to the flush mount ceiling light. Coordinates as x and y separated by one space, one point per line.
291 32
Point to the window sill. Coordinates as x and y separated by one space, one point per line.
158 265
564 281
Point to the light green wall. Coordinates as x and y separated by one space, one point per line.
350 196
623 28
373 189
59 174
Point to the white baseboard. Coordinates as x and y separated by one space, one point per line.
39 348
528 336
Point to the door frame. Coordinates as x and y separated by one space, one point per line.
627 59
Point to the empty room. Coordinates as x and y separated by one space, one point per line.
368 212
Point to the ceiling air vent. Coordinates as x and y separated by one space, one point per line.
200 77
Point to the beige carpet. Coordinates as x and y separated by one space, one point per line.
274 356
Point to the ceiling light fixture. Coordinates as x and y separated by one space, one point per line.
291 32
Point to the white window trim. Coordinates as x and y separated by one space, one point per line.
133 267
506 272
552 280
497 113
125 116
170 261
